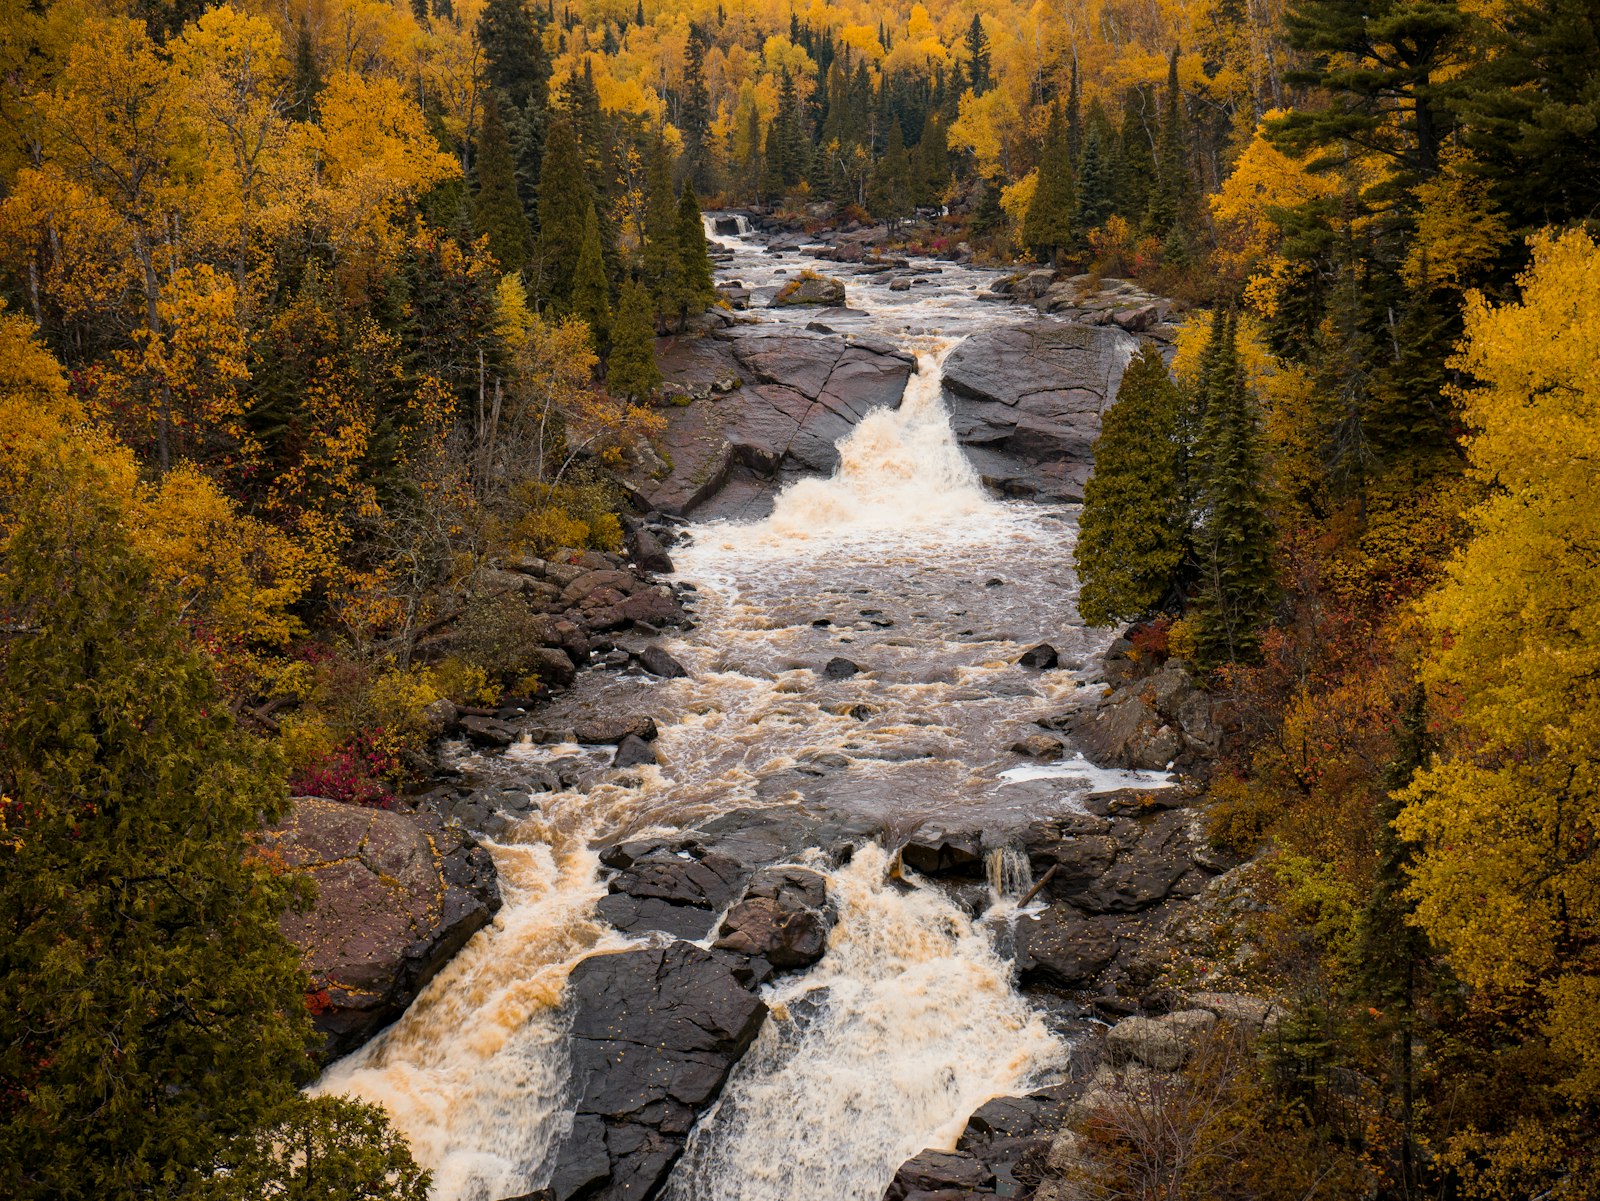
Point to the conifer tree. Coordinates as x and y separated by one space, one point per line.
565 200
1172 201
514 58
890 194
1233 544
979 75
631 370
663 259
307 75
591 296
1133 537
698 283
150 1010
696 116
1047 226
497 209
1097 185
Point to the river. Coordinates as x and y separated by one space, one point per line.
903 564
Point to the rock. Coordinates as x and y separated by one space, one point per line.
1241 1009
658 662
1148 721
1064 949
839 668
397 896
678 887
487 731
648 552
780 919
1151 858
899 285
1026 402
633 751
940 1176
613 729
552 666
1161 1043
1041 657
441 716
1038 746
935 851
811 290
654 1035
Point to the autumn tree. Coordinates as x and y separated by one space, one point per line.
1133 537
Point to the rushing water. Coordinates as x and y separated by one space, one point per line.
903 564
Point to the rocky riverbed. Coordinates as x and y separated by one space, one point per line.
829 875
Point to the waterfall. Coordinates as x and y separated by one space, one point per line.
907 1025
1008 871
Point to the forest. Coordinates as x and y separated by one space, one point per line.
317 314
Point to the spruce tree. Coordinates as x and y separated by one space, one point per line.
1047 226
1233 544
632 371
565 201
1133 537
514 58
663 261
150 1010
979 76
890 196
696 116
591 296
699 289
307 75
1172 200
497 209
1097 184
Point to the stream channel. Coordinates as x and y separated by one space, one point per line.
902 563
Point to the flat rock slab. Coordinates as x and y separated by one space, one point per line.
1028 399
655 1033
397 895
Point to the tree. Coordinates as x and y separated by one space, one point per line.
565 200
631 371
1172 200
663 259
696 115
148 1002
514 57
1505 877
1047 228
698 283
1133 537
591 295
497 210
1233 542
979 76
890 195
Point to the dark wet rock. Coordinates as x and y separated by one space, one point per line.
648 552
1155 716
677 886
781 919
487 731
940 1176
1026 402
552 665
654 1035
999 1154
397 895
658 662
1041 657
1152 857
839 668
935 851
608 730
633 751
1063 948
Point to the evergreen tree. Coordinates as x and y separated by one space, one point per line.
1234 540
1097 184
307 75
979 76
1133 537
565 200
699 285
1136 143
930 161
696 115
631 370
150 1010
663 258
497 209
514 59
890 196
1172 200
1047 226
591 295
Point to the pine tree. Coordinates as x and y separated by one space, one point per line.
1137 154
514 59
565 200
1097 184
631 370
497 209
1133 537
1047 226
698 283
150 1010
696 116
1173 199
663 259
1234 541
930 161
890 195
591 296
307 75
979 76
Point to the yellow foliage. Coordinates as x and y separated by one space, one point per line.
1459 231
1015 199
1263 179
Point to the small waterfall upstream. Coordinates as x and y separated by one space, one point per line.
902 562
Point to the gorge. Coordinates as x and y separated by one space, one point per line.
852 688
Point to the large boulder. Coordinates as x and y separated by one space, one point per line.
1162 1043
654 1035
782 918
677 886
811 290
397 895
1064 949
1026 402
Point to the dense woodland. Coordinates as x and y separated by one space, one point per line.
314 307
